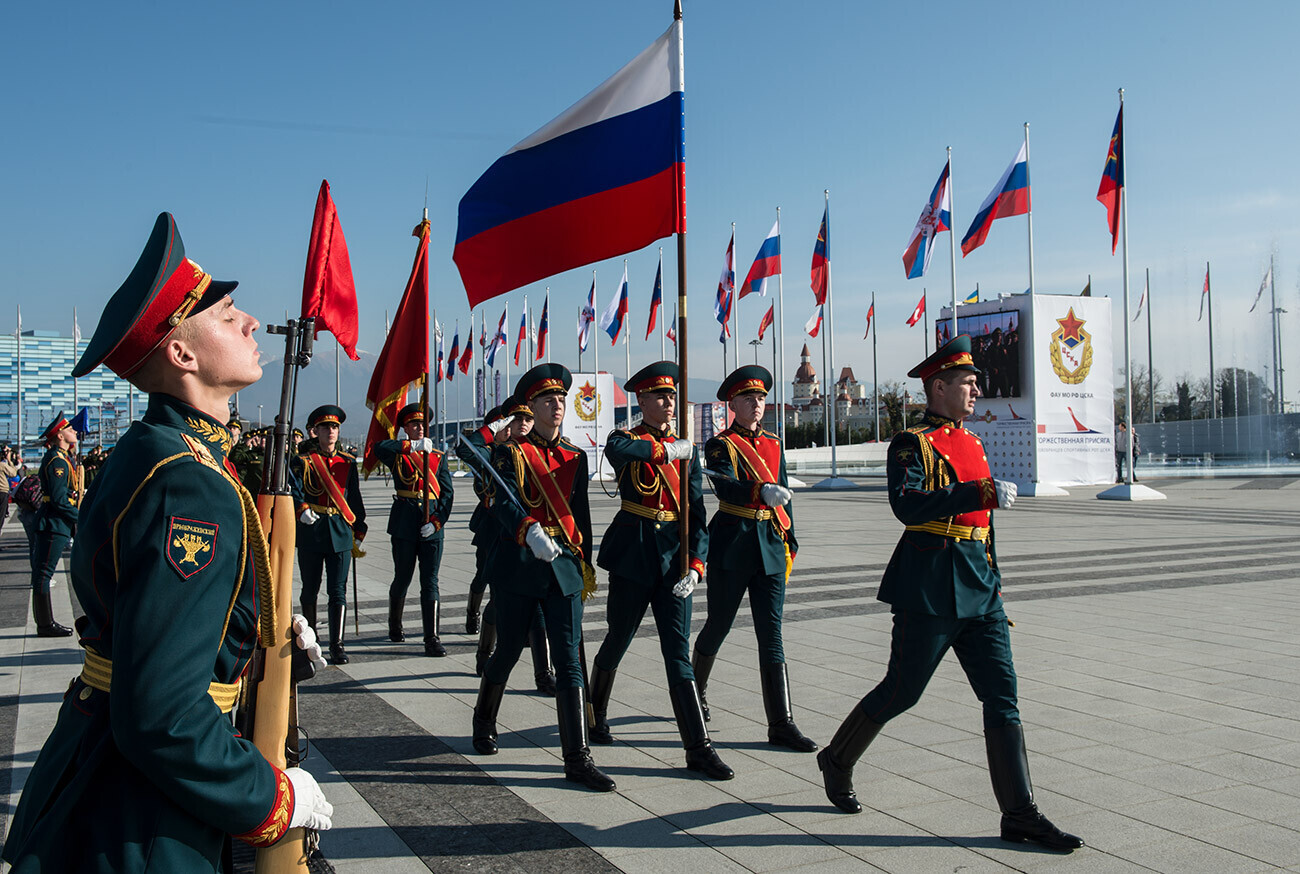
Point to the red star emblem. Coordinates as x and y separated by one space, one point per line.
1070 326
588 389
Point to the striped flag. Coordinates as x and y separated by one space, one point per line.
766 263
543 328
871 311
611 321
655 300
814 324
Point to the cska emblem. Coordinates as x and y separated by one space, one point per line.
1071 350
585 402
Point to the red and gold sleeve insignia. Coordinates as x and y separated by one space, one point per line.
277 821
988 494
658 454
754 493
522 531
697 566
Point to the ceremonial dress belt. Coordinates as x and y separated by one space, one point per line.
323 511
649 512
759 513
97 673
953 530
553 530
403 493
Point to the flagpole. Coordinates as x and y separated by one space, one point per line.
595 348
735 301
434 359
1030 214
663 317
875 373
1209 305
952 245
1151 379
76 331
826 378
780 377
1128 351
925 321
1277 358
528 331
830 336
505 327
546 308
627 350
683 396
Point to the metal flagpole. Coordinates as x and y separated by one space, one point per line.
77 330
18 398
1030 215
875 373
826 385
337 395
1128 352
925 321
627 352
1209 305
663 316
780 364
595 348
952 245
1277 361
505 326
546 308
1151 379
735 301
683 396
830 337
528 333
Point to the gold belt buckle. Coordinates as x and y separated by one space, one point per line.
661 516
763 515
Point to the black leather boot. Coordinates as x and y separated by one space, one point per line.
602 685
781 730
855 734
487 641
543 674
702 665
700 754
473 612
1009 769
571 711
336 616
396 604
309 613
485 717
429 614
43 612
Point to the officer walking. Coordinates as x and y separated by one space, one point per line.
56 520
143 769
330 517
945 590
642 550
543 557
416 537
751 547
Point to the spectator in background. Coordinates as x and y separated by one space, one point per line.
8 479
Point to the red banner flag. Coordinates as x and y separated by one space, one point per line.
404 361
918 312
871 311
328 292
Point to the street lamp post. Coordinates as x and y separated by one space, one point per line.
259 415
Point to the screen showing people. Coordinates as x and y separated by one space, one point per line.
995 346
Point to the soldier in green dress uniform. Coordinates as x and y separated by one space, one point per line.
331 517
143 770
642 552
56 520
417 538
751 547
945 590
477 621
542 557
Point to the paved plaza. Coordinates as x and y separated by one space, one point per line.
1157 646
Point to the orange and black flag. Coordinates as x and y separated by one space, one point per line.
1112 178
404 361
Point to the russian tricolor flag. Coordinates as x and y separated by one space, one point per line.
454 355
1009 197
606 177
935 218
543 328
499 340
766 263
656 298
523 336
611 321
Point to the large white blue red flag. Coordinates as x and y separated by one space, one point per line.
454 354
656 298
766 263
726 288
499 340
611 321
606 177
1009 197
936 217
543 328
587 317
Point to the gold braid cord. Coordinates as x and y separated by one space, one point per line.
268 622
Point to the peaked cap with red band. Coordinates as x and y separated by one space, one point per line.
543 379
52 430
953 354
412 413
660 376
164 289
327 414
516 408
751 377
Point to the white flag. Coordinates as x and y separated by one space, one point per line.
1268 279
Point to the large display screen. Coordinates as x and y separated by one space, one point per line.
995 346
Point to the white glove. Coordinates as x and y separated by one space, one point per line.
305 639
687 584
310 809
1006 493
308 517
541 543
774 495
427 530
679 450
424 444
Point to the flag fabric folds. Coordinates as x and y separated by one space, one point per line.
1009 197
606 177
917 312
1112 178
454 354
814 324
821 259
973 297
328 293
766 322
1268 278
499 339
726 288
1205 292
437 343
611 321
936 216
587 318
404 360
1141 300
656 298
671 333
766 263
523 336
871 311
543 328
467 354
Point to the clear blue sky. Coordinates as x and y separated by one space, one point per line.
229 116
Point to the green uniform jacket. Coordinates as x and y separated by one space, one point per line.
248 463
480 521
515 569
737 545
329 533
638 547
931 573
151 776
407 515
61 487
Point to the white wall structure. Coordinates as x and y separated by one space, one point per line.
590 402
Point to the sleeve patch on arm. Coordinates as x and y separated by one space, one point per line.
191 544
